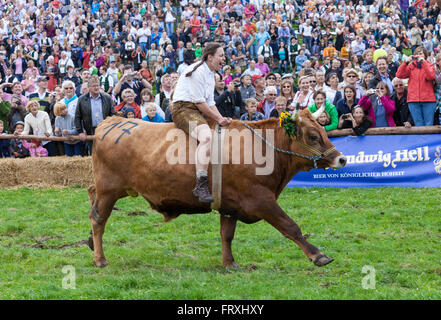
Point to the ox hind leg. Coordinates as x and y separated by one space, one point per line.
100 210
227 229
282 222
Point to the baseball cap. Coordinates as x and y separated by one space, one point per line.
256 76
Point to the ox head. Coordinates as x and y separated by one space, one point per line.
312 140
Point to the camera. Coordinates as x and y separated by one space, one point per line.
236 84
345 116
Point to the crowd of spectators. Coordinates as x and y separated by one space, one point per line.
67 65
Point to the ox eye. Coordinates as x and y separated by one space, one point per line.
313 138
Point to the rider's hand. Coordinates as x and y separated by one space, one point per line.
223 121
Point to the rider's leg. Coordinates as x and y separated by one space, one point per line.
202 158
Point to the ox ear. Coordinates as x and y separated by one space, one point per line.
318 113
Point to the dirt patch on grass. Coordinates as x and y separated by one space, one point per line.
49 172
137 213
41 243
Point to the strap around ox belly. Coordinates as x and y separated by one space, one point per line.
216 166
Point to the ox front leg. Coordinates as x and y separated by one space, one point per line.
227 229
99 213
282 222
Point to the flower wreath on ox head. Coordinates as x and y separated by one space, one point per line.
289 123
288 120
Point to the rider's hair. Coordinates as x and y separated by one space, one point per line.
209 50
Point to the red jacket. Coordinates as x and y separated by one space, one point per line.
388 104
137 108
420 87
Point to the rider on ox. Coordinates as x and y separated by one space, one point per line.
193 101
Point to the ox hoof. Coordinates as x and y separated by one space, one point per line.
232 265
322 260
100 264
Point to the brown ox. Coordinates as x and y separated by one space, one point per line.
140 148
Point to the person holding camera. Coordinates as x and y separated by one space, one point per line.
132 80
228 99
420 94
379 106
356 119
17 111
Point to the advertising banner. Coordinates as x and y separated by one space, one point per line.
381 161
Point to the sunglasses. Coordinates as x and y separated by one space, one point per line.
313 81
352 76
398 85
271 78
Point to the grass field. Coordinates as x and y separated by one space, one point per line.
395 231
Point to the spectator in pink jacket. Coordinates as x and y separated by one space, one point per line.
379 106
35 148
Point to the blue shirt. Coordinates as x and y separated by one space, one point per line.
96 110
380 115
388 82
156 118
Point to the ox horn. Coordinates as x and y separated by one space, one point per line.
296 114
317 114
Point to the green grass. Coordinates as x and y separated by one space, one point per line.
394 230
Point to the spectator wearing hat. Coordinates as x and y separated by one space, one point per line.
351 78
42 94
259 84
18 150
270 79
129 113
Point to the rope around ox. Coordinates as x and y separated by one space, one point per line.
317 154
